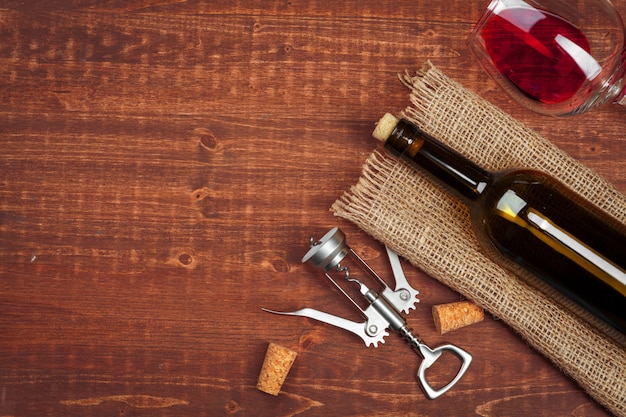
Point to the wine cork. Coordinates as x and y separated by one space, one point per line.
453 316
278 361
385 126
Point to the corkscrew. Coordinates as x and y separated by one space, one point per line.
332 254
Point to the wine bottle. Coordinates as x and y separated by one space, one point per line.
531 224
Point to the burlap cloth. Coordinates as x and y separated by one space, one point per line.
420 221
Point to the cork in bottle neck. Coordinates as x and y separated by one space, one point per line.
390 130
385 127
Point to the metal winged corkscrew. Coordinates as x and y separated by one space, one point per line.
332 254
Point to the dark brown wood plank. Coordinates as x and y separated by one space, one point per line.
162 167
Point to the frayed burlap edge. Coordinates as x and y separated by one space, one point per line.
414 217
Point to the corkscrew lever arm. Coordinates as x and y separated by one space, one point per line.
403 297
357 328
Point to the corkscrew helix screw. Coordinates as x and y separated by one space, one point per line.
331 254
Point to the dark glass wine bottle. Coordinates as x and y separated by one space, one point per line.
531 224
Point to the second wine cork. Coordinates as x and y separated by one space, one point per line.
276 365
453 316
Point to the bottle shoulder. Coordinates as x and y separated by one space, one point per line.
512 191
524 181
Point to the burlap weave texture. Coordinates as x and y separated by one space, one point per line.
410 214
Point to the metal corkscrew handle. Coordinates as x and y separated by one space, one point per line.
430 356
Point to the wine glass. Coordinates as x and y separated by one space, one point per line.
554 57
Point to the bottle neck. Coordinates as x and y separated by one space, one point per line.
463 178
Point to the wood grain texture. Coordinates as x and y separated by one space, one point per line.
163 164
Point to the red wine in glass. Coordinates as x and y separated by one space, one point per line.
523 45
551 56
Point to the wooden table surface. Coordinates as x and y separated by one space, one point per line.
162 166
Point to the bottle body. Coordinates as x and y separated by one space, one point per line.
531 223
534 225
